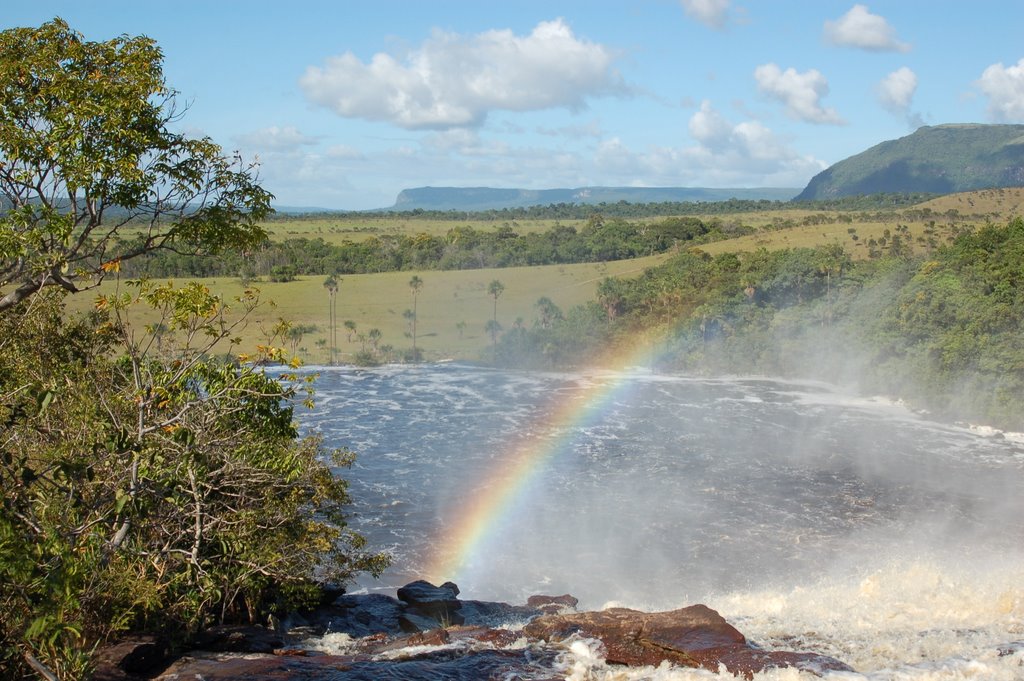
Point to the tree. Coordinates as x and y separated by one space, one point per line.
374 335
493 328
494 290
91 173
415 284
831 260
350 327
331 284
152 494
548 311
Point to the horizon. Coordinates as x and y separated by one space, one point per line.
347 105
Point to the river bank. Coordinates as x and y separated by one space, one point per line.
429 633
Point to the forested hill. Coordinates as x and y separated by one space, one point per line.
941 159
490 198
940 328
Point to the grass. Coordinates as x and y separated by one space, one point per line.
454 299
446 301
335 230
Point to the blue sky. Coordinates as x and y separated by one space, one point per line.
347 103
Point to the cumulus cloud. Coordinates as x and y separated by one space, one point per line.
712 13
725 155
455 80
800 93
1004 87
709 127
896 94
866 31
896 91
275 138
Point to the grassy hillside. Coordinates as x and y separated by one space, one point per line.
452 297
446 300
939 159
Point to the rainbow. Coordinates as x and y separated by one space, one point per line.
499 493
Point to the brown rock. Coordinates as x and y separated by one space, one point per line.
551 605
239 639
696 636
123 660
688 637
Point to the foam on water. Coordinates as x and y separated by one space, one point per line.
812 520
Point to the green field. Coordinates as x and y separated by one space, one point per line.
357 227
453 306
446 300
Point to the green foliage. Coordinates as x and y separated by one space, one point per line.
153 486
942 330
461 248
942 159
86 148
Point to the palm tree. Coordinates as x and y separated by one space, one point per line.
331 284
375 335
350 326
415 284
549 312
495 289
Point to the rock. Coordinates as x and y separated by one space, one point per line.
498 638
493 614
422 592
429 606
441 664
239 639
696 636
553 605
357 616
135 656
1011 648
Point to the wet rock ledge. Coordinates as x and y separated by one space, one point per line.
428 633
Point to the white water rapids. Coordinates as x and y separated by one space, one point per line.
809 519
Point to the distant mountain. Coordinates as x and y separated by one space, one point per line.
941 159
489 198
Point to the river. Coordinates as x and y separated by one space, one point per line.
811 519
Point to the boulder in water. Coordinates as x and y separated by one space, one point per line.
553 605
422 592
429 606
696 636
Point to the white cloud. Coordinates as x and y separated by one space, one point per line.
344 151
896 94
896 91
454 80
748 152
726 155
801 93
1004 87
709 127
581 131
861 29
712 13
275 138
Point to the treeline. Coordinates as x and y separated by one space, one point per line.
460 248
941 329
626 209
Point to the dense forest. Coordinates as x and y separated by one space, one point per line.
606 235
941 330
632 209
460 248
